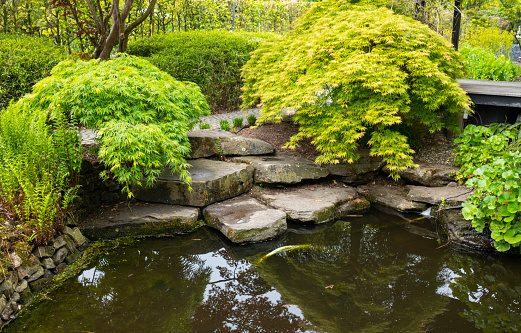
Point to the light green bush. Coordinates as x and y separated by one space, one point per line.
211 59
142 113
483 64
352 72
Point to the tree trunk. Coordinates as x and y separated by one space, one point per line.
456 22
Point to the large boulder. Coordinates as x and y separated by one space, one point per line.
208 142
428 174
212 181
460 233
283 169
141 220
318 204
394 197
452 195
244 219
360 171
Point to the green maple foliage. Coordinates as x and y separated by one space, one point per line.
352 72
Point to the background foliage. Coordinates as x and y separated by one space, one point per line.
24 61
211 59
353 72
483 64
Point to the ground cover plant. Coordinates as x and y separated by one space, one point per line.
352 73
211 59
490 162
24 61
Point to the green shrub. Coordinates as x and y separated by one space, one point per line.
38 170
23 62
490 162
211 59
489 38
204 126
224 125
142 113
252 119
237 122
353 72
483 64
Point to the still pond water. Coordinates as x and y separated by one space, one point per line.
370 274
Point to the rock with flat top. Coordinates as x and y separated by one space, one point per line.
360 171
394 197
210 142
452 195
212 181
141 220
428 174
244 219
318 204
283 169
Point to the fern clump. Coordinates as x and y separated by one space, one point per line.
353 72
142 113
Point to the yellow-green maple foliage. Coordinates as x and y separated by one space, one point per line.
352 72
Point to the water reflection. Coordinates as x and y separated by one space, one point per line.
361 275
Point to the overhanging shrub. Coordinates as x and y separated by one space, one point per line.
211 59
354 71
24 61
142 113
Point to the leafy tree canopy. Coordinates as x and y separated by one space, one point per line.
142 113
353 72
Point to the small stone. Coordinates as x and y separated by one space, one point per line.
48 263
38 274
15 260
22 272
58 242
75 234
26 296
72 257
15 297
39 284
70 246
59 256
3 302
8 310
21 286
44 251
48 274
32 265
60 268
433 195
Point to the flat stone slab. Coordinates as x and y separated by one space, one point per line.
428 174
212 181
210 142
453 195
394 197
460 233
318 204
244 219
283 169
360 171
141 220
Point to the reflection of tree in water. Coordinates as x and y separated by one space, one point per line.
238 303
491 291
356 280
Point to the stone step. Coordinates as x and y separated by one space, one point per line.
141 220
244 219
209 142
283 169
317 203
428 174
394 197
212 181
452 195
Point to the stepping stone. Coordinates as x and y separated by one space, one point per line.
318 204
244 219
360 171
453 195
394 197
428 174
141 220
208 142
283 169
212 181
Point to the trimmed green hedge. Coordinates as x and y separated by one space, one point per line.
24 61
212 59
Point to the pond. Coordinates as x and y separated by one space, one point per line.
376 273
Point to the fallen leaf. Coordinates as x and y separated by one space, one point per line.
330 286
130 275
318 200
196 238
